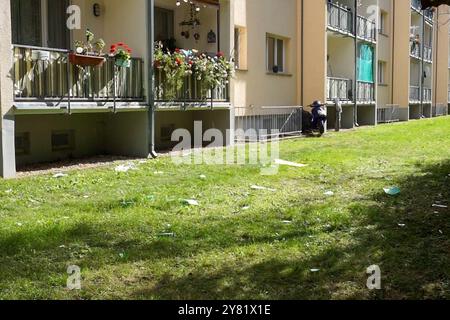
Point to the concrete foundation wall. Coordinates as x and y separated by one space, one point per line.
94 134
217 119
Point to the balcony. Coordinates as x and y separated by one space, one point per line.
366 29
340 18
416 5
45 75
192 94
365 92
414 95
339 88
428 13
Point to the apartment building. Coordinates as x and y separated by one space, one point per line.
383 60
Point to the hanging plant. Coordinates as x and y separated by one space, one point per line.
122 54
174 68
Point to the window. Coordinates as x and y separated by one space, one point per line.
381 72
63 140
240 48
22 142
40 23
164 24
383 23
276 54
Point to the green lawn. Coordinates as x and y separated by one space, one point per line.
241 243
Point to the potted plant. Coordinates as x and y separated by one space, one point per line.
85 55
122 54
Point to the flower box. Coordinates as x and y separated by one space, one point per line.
85 60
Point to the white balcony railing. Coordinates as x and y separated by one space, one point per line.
339 88
365 92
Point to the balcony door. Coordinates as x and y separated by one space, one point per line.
40 23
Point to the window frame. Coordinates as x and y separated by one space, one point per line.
275 53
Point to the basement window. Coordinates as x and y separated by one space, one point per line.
22 143
63 140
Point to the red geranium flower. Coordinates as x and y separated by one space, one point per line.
177 50
220 54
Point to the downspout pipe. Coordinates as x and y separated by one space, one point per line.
150 76
422 65
355 85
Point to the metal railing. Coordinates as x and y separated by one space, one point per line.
388 114
415 49
192 91
366 29
427 53
440 110
339 88
416 4
253 124
365 91
427 95
340 18
43 74
414 94
429 14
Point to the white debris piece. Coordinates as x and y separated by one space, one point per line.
329 193
289 163
402 225
125 167
59 175
439 206
202 176
315 270
158 173
191 202
255 187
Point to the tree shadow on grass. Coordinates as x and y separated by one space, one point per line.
405 235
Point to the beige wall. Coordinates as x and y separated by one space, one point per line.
441 57
314 66
255 86
400 59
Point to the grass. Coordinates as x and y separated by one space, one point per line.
117 226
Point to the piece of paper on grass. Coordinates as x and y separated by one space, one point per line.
191 202
255 187
289 163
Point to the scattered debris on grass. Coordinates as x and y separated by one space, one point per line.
286 222
402 225
255 187
315 270
329 193
289 163
245 208
392 191
202 177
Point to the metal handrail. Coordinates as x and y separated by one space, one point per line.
56 79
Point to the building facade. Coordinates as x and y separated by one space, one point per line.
383 60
